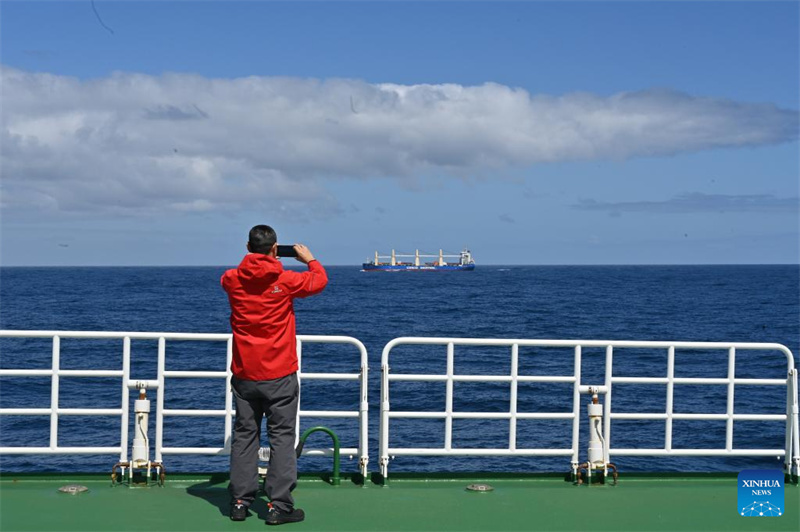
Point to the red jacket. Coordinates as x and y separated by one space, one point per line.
260 292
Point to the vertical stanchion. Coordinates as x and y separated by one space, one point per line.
384 428
512 422
162 347
607 406
576 411
729 422
228 396
363 440
787 463
670 396
54 393
795 426
126 375
299 391
448 420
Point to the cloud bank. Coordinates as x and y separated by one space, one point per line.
133 143
699 203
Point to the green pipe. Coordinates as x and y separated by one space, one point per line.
335 480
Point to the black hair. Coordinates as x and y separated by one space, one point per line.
261 239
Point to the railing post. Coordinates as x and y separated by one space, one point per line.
162 347
299 391
792 427
512 423
448 421
729 422
576 410
384 425
54 393
607 407
229 397
126 375
670 397
363 420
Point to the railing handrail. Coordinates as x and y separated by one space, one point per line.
641 344
151 335
791 452
161 337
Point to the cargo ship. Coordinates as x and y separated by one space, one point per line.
394 262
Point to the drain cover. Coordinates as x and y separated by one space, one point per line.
479 487
73 489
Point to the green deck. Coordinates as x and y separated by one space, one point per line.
200 502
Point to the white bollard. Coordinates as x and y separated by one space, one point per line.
597 453
141 443
596 450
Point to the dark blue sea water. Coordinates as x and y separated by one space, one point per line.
687 303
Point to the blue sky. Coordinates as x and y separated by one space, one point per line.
532 132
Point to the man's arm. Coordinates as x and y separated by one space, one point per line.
223 281
307 283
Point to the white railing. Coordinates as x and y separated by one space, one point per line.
790 452
127 384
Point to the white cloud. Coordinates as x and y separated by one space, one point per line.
696 202
133 143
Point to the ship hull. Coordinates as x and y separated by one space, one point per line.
407 268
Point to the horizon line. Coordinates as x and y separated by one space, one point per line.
358 265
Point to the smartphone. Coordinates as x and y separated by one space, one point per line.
286 251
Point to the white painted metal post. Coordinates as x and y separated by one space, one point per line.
363 421
576 410
787 458
126 375
448 421
795 426
731 376
54 393
299 391
670 397
228 396
607 406
162 347
512 423
384 428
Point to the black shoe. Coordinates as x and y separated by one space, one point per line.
278 517
238 510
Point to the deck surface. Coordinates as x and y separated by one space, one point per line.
200 502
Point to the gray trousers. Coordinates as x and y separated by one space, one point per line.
277 399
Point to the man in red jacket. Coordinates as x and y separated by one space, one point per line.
264 370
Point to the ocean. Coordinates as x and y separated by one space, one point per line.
680 303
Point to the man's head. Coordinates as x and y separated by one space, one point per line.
262 239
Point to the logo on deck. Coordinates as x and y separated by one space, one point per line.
761 493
